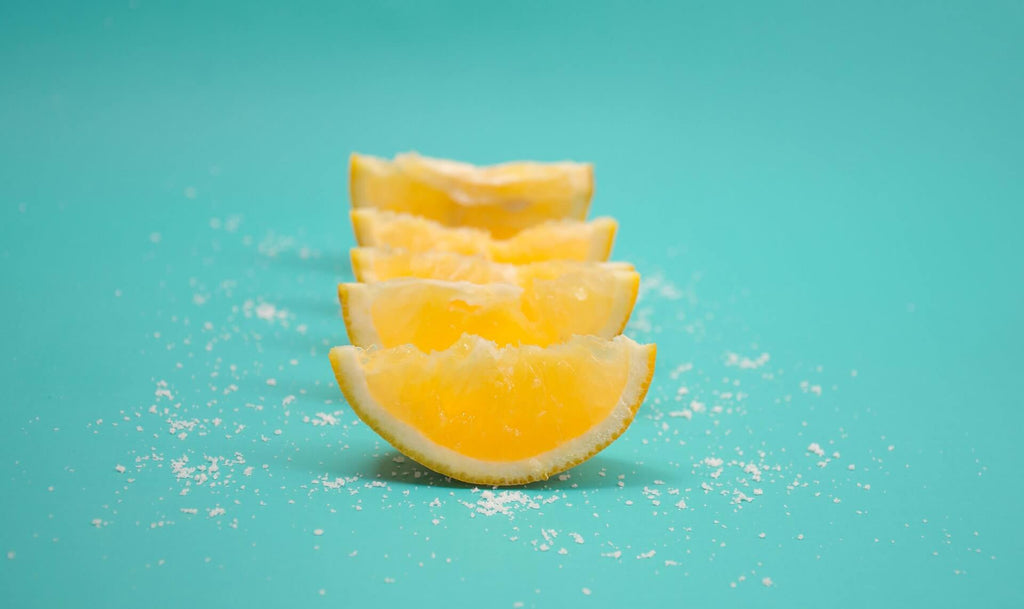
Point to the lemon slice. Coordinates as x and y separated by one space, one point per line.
555 240
379 264
490 415
501 199
432 314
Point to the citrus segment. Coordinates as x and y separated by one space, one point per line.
490 415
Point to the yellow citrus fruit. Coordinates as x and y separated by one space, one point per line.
554 240
498 415
378 264
501 199
432 314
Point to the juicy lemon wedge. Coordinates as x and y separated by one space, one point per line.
379 264
555 240
432 314
489 415
501 199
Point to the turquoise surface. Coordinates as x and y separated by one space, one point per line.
837 185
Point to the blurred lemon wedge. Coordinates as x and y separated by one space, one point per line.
380 264
554 240
501 199
433 314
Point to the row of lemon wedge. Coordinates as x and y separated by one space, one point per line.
486 323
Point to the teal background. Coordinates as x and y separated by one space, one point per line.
837 184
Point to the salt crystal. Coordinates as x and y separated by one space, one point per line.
746 363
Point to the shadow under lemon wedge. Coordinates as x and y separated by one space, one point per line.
553 240
501 199
432 314
485 414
